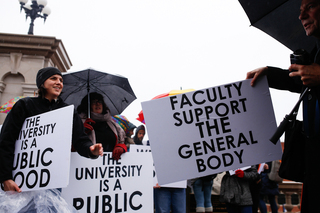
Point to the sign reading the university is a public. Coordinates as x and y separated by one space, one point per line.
107 185
42 151
211 130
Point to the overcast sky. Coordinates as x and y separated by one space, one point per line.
158 45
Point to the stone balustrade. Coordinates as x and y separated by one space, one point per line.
292 196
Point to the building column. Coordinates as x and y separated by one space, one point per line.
2 87
30 90
288 206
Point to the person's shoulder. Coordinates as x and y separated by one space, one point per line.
62 103
27 100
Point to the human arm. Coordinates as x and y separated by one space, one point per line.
118 150
256 73
10 185
120 146
248 174
157 186
239 173
277 78
96 149
309 74
9 134
88 125
81 142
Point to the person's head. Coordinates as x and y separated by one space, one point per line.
125 124
140 132
49 82
310 17
97 104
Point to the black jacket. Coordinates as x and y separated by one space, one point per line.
280 79
12 125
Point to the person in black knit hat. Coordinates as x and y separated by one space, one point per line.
50 83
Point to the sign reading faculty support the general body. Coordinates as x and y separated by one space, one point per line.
211 130
42 151
106 185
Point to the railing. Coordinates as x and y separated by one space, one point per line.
290 196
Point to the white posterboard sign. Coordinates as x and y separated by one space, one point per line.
211 130
179 184
106 185
42 151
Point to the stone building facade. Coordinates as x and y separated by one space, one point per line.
21 56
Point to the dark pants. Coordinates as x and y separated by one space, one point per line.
170 198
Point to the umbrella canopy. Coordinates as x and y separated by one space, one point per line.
172 92
279 19
116 90
5 108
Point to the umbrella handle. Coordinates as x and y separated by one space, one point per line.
89 105
284 124
88 89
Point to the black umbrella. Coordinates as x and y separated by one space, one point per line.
116 90
279 19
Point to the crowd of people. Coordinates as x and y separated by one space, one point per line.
243 190
91 136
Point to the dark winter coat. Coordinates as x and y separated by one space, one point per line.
235 190
106 121
268 187
12 125
280 79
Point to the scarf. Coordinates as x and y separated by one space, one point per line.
118 131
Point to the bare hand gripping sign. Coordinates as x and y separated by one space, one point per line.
211 130
42 151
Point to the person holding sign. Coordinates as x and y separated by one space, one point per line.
101 128
50 83
296 79
235 190
270 189
127 127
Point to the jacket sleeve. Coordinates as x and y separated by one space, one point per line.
122 145
9 134
251 174
280 79
80 139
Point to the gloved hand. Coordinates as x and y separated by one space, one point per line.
239 173
88 125
118 150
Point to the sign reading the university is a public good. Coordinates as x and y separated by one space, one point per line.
107 185
211 130
42 151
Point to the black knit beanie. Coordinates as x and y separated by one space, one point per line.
46 73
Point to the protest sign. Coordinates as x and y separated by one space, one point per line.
42 151
106 185
211 130
179 184
139 148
